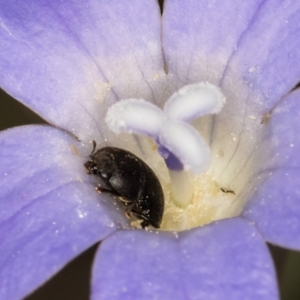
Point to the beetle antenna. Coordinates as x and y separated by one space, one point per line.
94 147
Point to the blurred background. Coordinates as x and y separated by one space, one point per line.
73 281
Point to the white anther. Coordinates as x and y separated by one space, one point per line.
193 101
135 116
185 142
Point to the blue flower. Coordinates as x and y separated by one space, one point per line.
69 61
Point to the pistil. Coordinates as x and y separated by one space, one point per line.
181 189
179 143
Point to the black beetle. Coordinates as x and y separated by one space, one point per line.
131 180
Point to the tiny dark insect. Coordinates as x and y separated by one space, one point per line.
225 190
131 180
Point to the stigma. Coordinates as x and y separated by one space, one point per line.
179 143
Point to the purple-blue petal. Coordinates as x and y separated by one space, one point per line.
64 59
251 50
235 44
50 211
275 206
224 259
267 58
200 37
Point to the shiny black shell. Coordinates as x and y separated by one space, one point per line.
132 180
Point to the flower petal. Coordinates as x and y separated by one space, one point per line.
63 59
267 55
225 258
255 61
50 211
275 206
198 42
201 43
199 39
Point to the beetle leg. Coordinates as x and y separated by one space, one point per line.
124 200
145 223
128 209
100 189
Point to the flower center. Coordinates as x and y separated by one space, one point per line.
192 195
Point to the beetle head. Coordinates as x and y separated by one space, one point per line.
91 167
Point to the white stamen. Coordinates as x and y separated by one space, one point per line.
135 116
185 142
193 101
